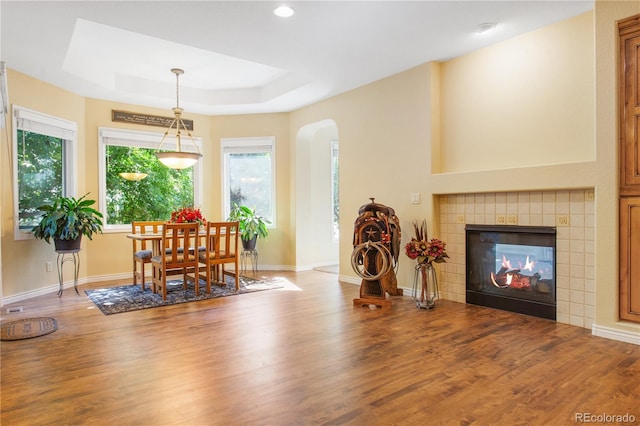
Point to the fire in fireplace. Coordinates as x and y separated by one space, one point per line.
512 268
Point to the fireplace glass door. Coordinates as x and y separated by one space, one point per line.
512 268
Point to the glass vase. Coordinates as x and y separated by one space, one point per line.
425 286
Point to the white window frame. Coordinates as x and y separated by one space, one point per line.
44 124
140 139
247 145
335 147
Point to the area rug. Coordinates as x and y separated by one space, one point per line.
28 328
127 298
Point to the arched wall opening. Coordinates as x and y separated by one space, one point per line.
315 242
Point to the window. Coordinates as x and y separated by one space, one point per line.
335 190
248 169
44 165
152 198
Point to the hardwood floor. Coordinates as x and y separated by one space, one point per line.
308 356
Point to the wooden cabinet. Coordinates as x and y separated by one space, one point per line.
629 111
629 30
630 258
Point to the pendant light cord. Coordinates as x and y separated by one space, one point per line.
177 72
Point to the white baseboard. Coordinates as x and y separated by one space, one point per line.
276 268
615 334
41 291
300 268
109 277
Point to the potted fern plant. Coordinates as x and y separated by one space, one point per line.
251 225
66 220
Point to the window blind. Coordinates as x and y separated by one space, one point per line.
36 122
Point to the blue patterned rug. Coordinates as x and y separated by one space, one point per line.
127 298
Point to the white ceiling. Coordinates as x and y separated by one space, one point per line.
238 57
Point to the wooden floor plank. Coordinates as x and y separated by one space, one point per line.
306 355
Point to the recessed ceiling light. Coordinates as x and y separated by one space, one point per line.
484 28
283 11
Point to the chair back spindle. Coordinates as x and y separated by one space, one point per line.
221 248
141 249
180 241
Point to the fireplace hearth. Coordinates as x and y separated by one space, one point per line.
512 268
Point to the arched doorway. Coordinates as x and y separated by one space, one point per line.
316 242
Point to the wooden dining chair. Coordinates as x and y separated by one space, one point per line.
180 257
221 249
142 251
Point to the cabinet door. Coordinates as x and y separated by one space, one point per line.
629 32
630 259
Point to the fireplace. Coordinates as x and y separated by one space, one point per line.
512 268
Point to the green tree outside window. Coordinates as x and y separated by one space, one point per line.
40 174
152 198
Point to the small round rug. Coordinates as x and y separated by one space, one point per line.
28 328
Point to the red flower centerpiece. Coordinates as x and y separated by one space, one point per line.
187 215
425 251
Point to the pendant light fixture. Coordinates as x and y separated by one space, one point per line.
135 174
178 159
132 175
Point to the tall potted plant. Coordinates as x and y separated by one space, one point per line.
66 220
251 225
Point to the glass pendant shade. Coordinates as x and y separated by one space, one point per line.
133 175
178 159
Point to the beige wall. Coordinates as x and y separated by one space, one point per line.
23 262
390 140
408 137
519 114
98 114
527 101
107 256
588 160
277 252
211 130
417 132
384 153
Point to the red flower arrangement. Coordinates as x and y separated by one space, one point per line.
188 214
425 251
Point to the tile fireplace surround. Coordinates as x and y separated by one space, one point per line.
575 284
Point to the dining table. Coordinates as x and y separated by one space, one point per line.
152 237
155 238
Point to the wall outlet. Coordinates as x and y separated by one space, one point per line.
589 195
501 219
562 220
512 220
459 218
49 266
